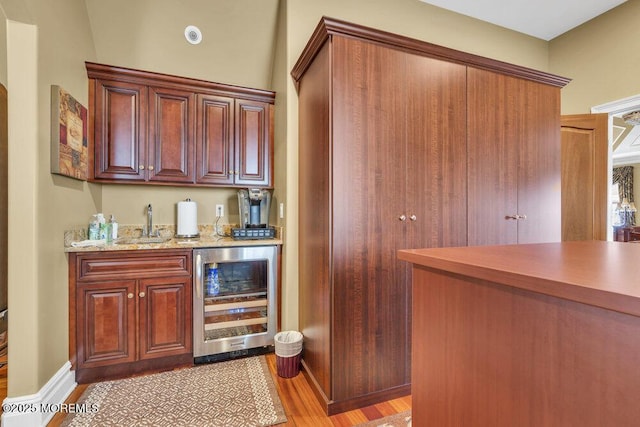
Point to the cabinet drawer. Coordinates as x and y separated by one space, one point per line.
151 264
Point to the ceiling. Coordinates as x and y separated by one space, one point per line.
543 19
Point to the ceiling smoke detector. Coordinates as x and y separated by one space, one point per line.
193 34
632 118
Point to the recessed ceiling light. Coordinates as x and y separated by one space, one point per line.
193 34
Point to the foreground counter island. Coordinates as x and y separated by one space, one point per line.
526 335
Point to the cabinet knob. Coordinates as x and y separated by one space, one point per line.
413 217
402 217
130 295
150 167
141 167
522 217
141 294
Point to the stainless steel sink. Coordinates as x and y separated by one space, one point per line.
141 240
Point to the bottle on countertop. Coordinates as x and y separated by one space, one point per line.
94 228
103 228
114 227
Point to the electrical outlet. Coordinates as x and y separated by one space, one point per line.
219 211
281 210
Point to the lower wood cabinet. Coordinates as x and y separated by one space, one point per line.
129 312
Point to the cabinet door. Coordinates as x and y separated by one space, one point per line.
165 324
495 129
215 140
514 160
436 153
105 323
370 301
171 131
120 131
254 143
539 173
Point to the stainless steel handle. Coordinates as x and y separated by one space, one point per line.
130 295
402 217
198 275
141 294
413 217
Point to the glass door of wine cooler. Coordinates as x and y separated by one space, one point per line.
234 302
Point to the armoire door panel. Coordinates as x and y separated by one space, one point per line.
539 176
214 140
170 143
369 166
436 195
494 133
120 131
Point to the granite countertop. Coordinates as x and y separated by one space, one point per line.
207 239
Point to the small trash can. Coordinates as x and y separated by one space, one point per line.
288 353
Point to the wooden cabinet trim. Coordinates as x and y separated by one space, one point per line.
329 27
102 71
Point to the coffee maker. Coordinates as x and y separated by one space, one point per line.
254 205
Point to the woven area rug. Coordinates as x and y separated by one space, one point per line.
403 419
235 393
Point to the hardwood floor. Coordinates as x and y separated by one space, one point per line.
297 397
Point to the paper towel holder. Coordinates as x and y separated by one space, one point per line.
188 230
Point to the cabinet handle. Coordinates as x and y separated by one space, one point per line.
141 294
402 217
150 167
516 217
141 167
130 295
413 217
198 274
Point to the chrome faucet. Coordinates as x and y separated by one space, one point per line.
149 230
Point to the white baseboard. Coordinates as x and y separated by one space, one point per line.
36 410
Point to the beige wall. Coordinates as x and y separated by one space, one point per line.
601 58
46 44
239 47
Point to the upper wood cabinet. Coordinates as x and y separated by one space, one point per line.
234 141
162 129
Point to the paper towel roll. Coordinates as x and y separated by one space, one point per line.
187 219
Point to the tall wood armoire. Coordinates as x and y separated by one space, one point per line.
396 138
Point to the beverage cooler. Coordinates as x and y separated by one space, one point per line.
234 303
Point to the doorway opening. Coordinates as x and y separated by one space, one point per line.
621 140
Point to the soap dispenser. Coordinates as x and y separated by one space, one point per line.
114 227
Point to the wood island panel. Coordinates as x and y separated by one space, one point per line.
525 335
